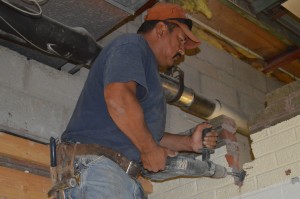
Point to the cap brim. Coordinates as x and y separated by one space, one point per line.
192 41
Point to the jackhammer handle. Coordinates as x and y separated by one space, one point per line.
53 152
205 150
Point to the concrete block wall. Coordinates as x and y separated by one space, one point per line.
36 100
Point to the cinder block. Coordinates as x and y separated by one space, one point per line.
259 95
53 85
32 117
289 154
249 75
230 80
191 78
201 66
273 84
177 122
274 143
216 90
13 74
132 27
249 105
216 57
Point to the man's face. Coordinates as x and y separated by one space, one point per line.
172 47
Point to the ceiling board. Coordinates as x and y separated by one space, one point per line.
293 6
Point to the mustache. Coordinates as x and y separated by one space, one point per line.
178 54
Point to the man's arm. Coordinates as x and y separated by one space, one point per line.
128 115
193 142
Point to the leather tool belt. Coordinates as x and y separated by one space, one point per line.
64 175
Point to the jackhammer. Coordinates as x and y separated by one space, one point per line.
188 165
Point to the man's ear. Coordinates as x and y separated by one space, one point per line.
160 29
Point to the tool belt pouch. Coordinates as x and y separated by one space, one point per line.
63 175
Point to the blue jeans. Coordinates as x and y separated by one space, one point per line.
101 178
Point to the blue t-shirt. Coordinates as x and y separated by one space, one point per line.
128 58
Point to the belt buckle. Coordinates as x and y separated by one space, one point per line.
133 170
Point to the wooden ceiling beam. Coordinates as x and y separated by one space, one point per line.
282 59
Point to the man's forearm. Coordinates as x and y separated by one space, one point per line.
176 142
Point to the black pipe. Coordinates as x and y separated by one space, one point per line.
53 162
49 36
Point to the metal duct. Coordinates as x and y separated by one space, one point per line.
200 106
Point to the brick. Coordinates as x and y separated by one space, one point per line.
183 191
208 195
231 191
283 92
297 132
260 165
278 175
295 102
273 144
161 187
227 192
263 134
285 125
209 184
289 154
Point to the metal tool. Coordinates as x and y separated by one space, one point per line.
240 175
205 151
53 162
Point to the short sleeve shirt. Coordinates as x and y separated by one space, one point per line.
127 58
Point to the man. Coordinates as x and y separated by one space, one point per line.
122 107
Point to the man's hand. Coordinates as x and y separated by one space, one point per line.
155 159
210 140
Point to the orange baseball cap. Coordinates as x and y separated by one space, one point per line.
175 14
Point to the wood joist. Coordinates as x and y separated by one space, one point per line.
24 168
256 34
